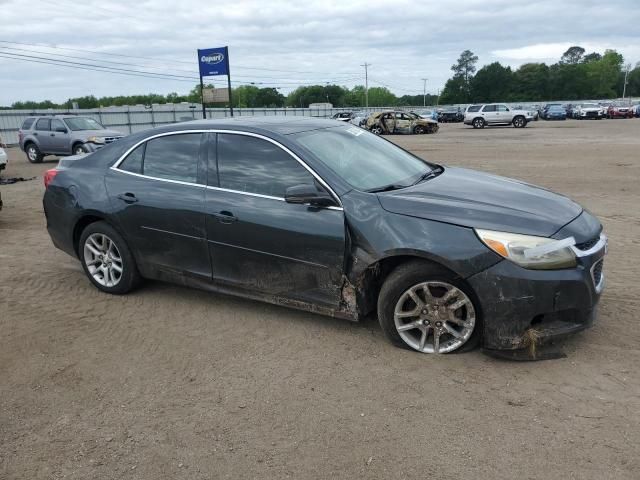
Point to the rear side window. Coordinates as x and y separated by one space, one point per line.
474 108
43 124
26 125
489 108
253 165
133 162
174 157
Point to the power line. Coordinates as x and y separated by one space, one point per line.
165 62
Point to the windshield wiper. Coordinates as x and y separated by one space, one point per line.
387 188
430 174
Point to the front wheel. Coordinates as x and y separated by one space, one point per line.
79 150
478 123
425 308
519 122
419 130
107 260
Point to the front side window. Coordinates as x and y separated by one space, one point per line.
362 159
57 125
253 165
489 108
502 108
43 124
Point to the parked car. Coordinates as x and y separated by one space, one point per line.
4 159
556 112
587 110
619 111
343 116
389 122
497 114
360 118
637 110
63 135
546 108
426 113
450 115
329 218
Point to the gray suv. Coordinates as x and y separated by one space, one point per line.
63 135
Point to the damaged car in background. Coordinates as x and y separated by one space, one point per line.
329 218
396 122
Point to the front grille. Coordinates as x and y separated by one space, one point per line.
588 244
596 273
111 139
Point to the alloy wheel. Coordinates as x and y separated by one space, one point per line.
103 259
434 317
32 153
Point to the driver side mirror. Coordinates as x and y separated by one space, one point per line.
309 194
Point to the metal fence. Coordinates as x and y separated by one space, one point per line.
130 119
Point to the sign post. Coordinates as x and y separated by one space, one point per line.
213 62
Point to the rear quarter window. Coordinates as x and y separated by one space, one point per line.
26 125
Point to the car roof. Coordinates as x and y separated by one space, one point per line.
281 124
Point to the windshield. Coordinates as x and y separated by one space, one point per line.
83 123
364 160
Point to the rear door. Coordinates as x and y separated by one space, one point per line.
157 194
43 132
257 241
490 113
403 123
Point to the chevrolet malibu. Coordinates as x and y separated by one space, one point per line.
327 217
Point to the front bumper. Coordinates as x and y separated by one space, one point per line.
521 306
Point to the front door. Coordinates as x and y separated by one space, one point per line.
59 137
157 195
257 241
490 114
504 115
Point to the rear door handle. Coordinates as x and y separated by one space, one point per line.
128 197
52 134
225 217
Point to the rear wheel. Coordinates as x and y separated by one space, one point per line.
34 155
478 122
425 308
377 130
107 260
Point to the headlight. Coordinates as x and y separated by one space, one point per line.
538 253
95 139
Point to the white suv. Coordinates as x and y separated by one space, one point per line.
497 114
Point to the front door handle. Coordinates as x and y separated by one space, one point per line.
52 134
225 217
128 197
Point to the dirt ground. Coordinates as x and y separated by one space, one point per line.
170 382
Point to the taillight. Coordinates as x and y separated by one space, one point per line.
49 175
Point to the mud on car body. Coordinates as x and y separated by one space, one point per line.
327 217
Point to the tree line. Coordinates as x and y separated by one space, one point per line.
577 75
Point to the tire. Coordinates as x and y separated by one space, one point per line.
394 297
478 122
519 121
116 283
34 155
78 149
419 130
377 130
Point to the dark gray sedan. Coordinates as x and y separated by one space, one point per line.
326 217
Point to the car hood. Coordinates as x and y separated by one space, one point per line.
480 200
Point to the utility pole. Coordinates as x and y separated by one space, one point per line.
424 92
626 75
366 83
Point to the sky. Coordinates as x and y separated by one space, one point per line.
283 44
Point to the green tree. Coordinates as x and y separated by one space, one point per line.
492 83
454 91
531 82
464 68
573 55
381 97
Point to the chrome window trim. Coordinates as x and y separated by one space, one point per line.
232 132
